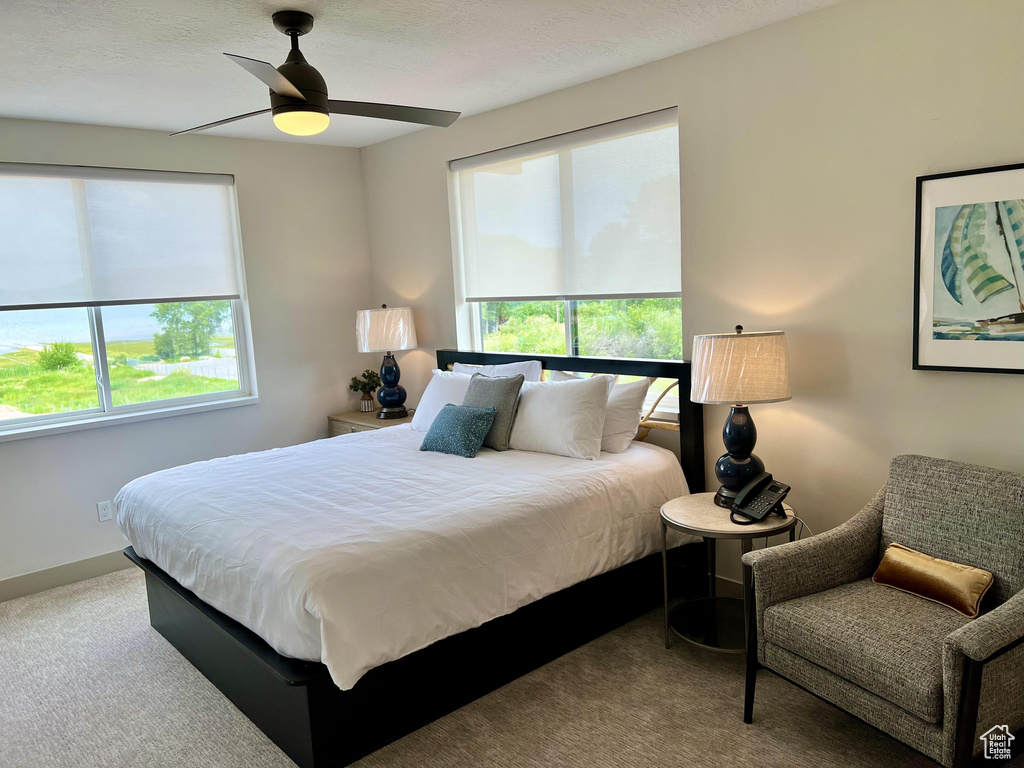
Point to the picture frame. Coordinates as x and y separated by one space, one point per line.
969 271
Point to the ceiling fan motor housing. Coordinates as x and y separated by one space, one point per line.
304 77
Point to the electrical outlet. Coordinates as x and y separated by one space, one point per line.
105 509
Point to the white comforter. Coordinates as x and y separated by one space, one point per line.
361 549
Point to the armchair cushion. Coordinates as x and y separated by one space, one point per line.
885 641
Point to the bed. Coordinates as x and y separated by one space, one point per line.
341 605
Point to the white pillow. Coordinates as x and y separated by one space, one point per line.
531 369
561 417
625 408
445 387
569 376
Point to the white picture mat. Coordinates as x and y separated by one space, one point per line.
939 193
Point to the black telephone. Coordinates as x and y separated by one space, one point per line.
761 497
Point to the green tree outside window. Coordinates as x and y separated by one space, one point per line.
187 328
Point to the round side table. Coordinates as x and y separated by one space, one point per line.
716 623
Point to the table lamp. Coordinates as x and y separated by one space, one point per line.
387 330
739 369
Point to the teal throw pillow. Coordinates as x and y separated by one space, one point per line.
459 430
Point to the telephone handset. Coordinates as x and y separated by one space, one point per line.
761 497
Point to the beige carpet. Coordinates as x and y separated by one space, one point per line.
85 681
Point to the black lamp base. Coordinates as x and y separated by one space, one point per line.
739 466
391 395
735 478
725 497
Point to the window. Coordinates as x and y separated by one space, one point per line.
647 328
571 244
121 293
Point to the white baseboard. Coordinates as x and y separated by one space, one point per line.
60 575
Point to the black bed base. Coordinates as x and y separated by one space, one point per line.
296 704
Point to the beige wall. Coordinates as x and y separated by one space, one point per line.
307 268
799 146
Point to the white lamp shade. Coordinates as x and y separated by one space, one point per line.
385 330
740 368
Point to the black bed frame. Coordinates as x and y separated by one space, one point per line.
296 704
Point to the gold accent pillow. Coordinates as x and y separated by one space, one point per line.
956 586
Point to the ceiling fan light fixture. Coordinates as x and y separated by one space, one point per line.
298 93
302 122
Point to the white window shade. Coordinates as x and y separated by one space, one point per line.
590 214
91 236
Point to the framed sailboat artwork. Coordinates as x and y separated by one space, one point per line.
969 271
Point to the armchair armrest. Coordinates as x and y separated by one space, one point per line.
839 556
990 633
844 554
966 653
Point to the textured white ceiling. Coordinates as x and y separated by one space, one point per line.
158 64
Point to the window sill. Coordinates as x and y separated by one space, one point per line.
665 415
112 419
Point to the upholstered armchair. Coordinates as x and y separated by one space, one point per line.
917 670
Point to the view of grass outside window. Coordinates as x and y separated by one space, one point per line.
154 352
633 328
41 369
647 328
523 326
650 328
188 349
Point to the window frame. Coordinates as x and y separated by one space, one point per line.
106 413
469 323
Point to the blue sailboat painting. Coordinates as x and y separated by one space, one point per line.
979 272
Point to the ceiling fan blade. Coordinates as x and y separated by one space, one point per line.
438 117
266 72
221 122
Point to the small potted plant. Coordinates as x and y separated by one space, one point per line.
367 384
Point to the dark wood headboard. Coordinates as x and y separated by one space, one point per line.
691 415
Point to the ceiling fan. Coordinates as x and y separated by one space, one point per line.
298 93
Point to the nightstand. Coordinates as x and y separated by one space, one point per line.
357 421
714 622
